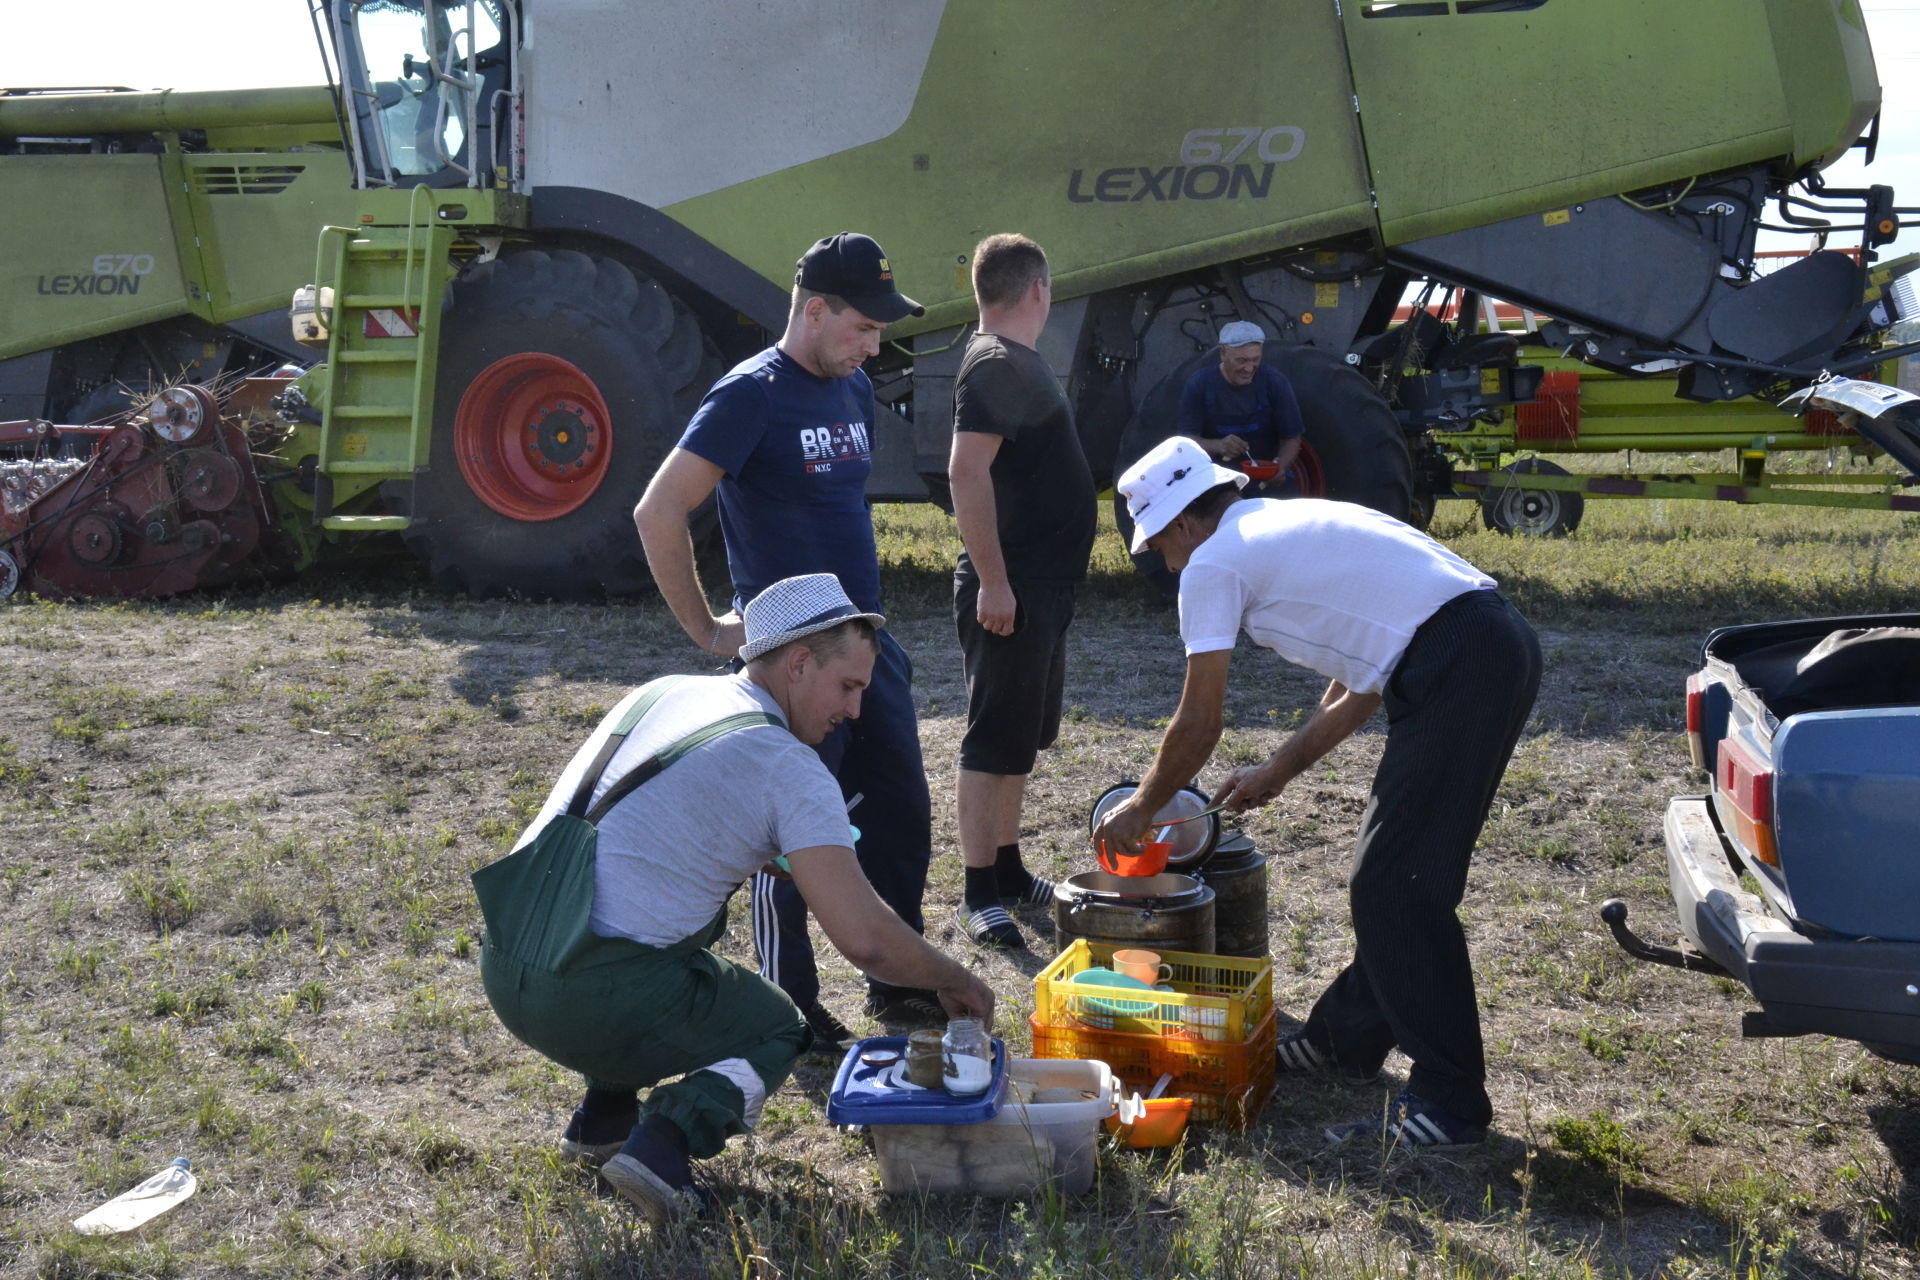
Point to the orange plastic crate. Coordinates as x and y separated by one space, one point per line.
1222 999
1228 1081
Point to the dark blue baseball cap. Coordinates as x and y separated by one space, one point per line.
855 267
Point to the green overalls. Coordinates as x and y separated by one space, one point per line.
624 1014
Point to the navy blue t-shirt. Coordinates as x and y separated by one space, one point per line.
797 450
1264 411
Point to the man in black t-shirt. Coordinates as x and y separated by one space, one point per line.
1024 498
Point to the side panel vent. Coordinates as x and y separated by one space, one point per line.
245 179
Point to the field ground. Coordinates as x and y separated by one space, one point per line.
237 927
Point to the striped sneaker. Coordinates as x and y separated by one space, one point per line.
1038 893
1411 1122
991 927
1299 1056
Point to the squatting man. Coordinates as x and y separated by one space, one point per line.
731 784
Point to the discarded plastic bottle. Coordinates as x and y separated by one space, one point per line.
143 1203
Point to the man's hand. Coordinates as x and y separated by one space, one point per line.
1231 448
996 608
967 997
1251 786
1123 827
729 634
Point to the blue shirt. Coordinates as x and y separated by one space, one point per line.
1264 411
797 450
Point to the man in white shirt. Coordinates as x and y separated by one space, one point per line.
1393 619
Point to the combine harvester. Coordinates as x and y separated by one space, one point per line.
540 250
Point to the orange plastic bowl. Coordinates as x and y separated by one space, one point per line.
1260 472
1161 1126
1150 861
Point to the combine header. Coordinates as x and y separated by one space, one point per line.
168 501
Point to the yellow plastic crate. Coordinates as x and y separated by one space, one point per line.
1223 998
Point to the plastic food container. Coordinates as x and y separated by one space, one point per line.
1013 1150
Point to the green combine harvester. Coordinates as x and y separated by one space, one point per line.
526 237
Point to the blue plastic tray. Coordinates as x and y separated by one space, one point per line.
864 1095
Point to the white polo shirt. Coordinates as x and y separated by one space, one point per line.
1334 587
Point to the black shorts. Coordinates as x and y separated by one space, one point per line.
1014 683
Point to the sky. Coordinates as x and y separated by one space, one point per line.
236 44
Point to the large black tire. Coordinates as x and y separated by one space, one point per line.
620 336
1354 450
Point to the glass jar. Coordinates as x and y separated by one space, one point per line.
967 1053
926 1059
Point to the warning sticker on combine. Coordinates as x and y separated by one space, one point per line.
1556 217
390 322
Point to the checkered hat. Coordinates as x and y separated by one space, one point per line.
1241 333
1159 486
796 607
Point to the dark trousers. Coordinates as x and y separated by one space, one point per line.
1455 707
876 758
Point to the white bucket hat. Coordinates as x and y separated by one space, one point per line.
1241 333
1159 486
796 607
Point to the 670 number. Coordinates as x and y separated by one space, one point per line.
1205 146
122 264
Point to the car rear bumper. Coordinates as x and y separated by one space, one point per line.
1858 989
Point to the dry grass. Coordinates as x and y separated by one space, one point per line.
235 925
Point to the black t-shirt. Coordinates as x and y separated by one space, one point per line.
1042 487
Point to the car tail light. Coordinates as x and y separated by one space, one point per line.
1748 786
1697 719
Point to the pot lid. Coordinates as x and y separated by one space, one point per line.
1192 841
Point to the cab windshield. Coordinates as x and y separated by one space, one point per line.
421 68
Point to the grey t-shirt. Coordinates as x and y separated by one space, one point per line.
672 852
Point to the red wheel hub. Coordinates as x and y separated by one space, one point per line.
533 436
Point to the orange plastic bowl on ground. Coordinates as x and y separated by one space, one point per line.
1150 861
1260 472
1165 1120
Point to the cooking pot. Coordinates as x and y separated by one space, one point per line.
1192 841
1167 912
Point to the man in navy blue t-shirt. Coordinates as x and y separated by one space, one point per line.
1243 409
786 438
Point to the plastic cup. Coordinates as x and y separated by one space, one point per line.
1150 861
1142 966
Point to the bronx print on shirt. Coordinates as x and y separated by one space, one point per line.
821 447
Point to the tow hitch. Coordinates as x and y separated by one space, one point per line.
1614 912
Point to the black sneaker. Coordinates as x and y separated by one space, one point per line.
991 927
910 1005
595 1139
828 1031
1038 893
652 1171
1412 1122
1299 1056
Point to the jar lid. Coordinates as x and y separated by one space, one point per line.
866 1094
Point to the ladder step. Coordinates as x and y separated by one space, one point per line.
407 352
366 524
383 248
372 411
348 467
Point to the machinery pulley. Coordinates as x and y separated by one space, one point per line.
179 415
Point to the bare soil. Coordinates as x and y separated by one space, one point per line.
235 837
